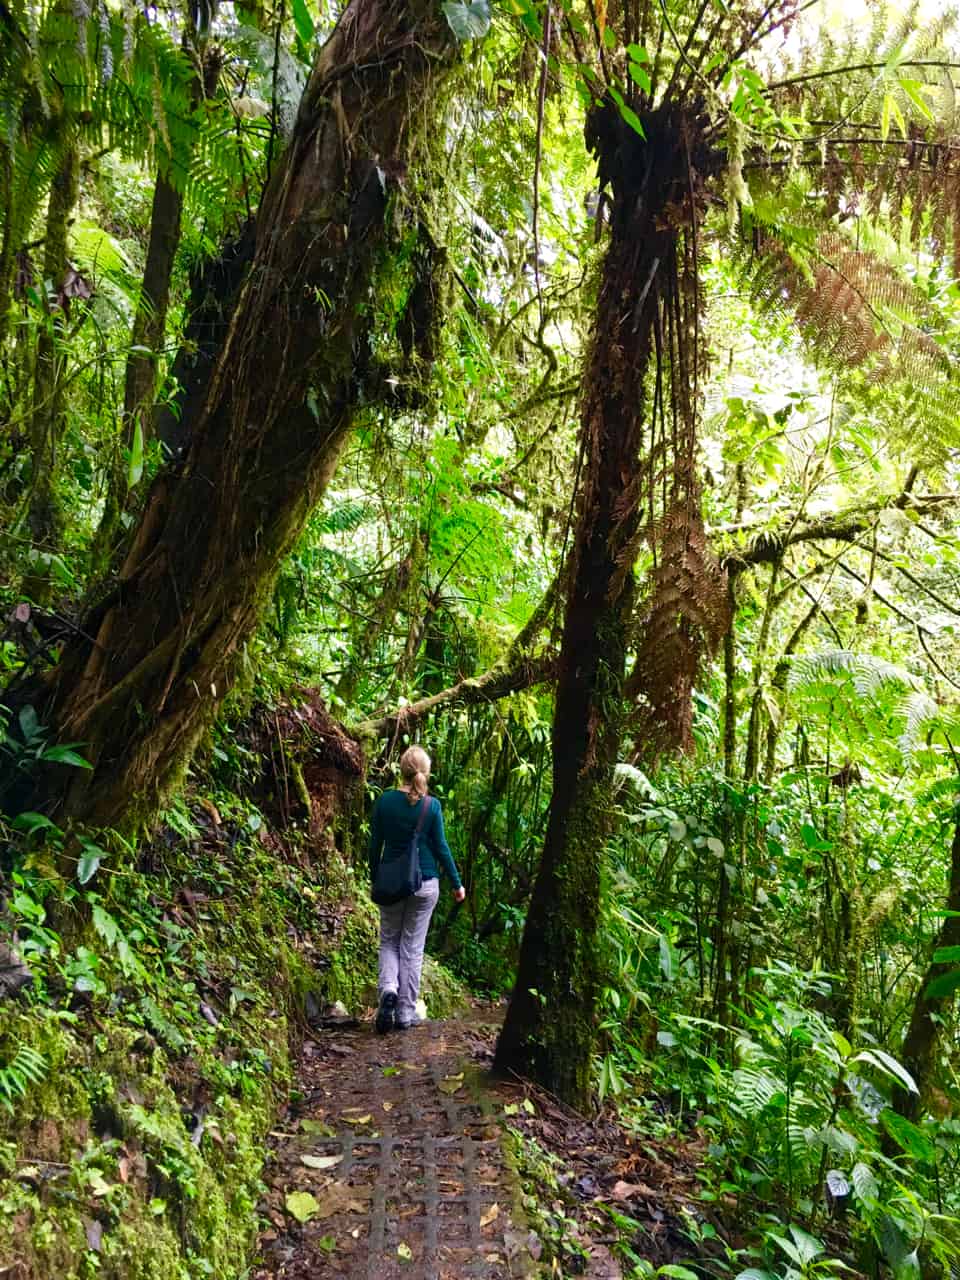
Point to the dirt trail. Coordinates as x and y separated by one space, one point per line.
395 1141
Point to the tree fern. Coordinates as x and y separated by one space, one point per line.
867 673
924 719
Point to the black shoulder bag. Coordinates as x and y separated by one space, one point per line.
401 877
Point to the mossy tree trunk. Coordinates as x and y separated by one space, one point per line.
47 419
935 997
202 563
549 1028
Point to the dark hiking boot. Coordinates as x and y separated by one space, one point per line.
387 1013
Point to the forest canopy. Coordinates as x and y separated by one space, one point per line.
572 387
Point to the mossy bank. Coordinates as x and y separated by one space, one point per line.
144 1067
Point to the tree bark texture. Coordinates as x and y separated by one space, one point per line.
46 429
498 682
213 534
549 1028
146 338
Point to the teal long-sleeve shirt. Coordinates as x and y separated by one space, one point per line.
391 830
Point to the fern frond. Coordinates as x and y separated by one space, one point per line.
868 674
25 1068
864 320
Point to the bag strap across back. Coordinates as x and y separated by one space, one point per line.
424 809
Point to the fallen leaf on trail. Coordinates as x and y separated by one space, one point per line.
358 1119
452 1083
491 1257
391 1071
387 1106
355 1233
321 1162
405 1252
302 1205
338 1197
315 1127
94 1232
626 1190
488 1215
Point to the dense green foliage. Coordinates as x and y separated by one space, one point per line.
778 947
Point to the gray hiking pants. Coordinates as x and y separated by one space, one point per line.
403 933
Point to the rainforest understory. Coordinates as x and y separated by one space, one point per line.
570 387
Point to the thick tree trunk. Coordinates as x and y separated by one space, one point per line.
208 547
549 1027
930 1012
45 517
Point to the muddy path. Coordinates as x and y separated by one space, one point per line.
393 1158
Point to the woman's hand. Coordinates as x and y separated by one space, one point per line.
459 894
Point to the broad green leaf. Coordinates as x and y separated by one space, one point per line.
302 1205
303 21
88 863
33 822
468 21
909 1137
914 89
943 986
29 724
632 119
889 1066
135 466
947 955
808 1246
639 76
865 1185
667 962
65 754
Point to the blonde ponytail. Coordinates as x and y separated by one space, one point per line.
415 770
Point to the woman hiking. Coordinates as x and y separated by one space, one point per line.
399 817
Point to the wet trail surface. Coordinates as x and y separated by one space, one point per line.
395 1142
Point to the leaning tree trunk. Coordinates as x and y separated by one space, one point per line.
933 1002
202 563
549 1028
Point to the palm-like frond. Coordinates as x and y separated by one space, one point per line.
867 674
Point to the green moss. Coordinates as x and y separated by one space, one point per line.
443 993
352 976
